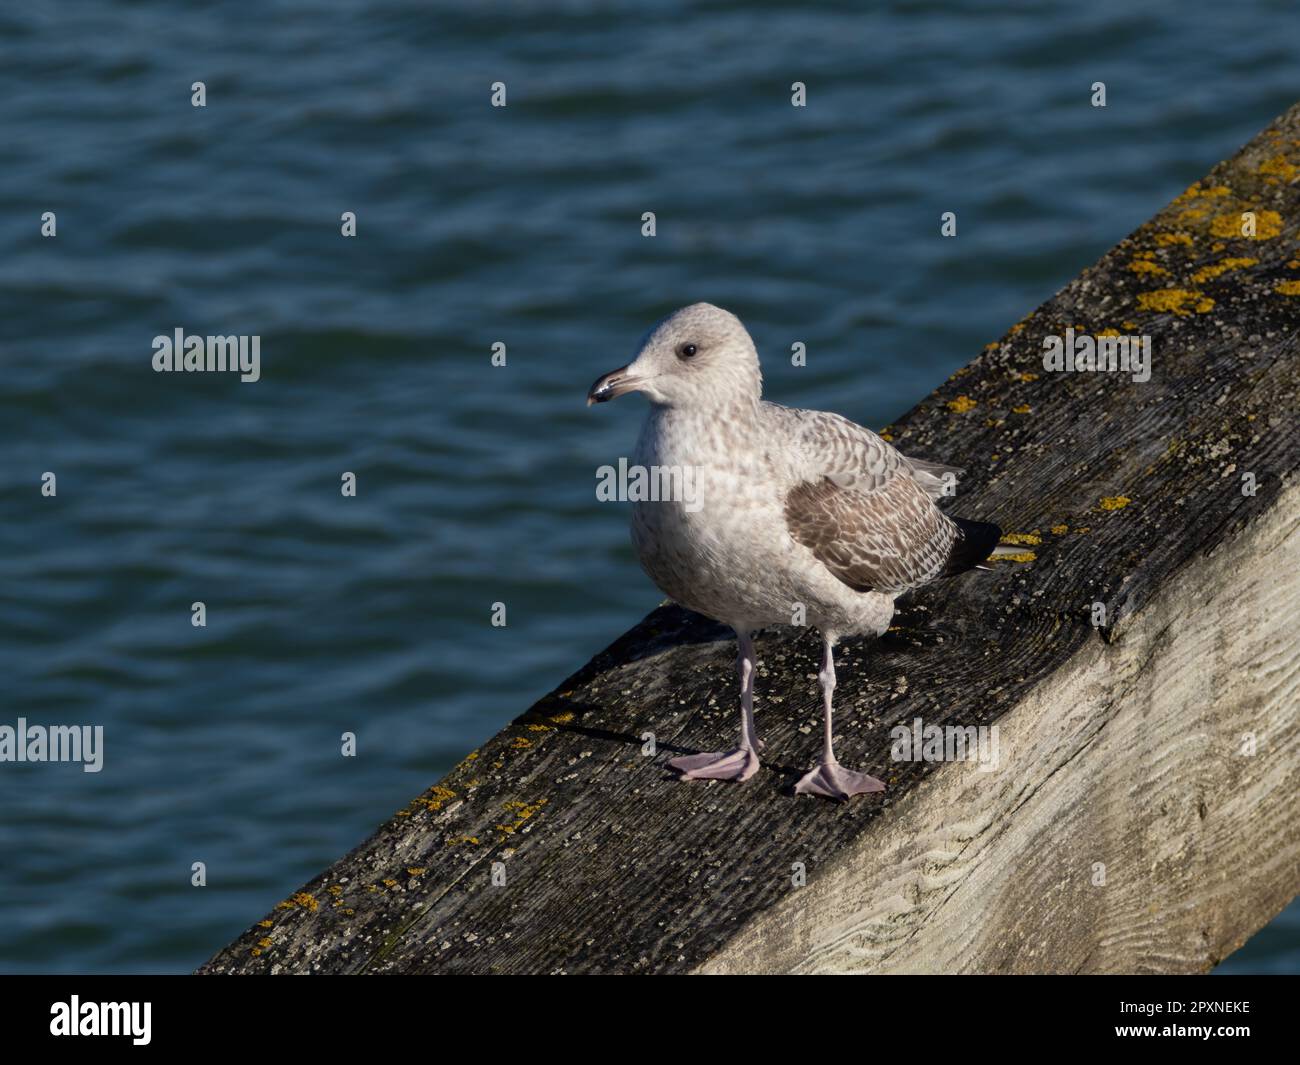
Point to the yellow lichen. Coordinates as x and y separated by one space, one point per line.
456 841
1060 530
1115 502
1280 166
1022 538
441 795
961 404
522 811
419 870
264 943
1287 288
390 883
519 743
306 901
1022 556
562 718
1268 224
1175 300
1024 408
1027 376
1146 266
1167 239
265 924
336 890
1213 270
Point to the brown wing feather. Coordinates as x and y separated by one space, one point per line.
888 539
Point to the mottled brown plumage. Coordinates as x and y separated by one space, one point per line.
890 540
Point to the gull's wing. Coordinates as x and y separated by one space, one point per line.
866 512
937 479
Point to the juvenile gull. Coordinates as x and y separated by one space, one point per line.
792 507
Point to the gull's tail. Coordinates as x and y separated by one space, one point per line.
976 541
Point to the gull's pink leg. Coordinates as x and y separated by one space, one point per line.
830 779
742 763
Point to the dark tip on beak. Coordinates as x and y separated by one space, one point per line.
611 386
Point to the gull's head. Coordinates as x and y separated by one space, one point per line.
700 356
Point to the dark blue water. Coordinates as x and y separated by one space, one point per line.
521 225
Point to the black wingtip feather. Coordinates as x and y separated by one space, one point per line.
973 546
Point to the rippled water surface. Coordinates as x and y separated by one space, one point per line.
475 225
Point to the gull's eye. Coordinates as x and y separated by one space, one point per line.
687 351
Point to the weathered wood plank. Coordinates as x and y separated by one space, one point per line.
1120 745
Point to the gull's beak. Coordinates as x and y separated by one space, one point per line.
614 384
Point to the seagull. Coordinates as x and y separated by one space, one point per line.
795 516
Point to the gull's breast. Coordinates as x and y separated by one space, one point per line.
724 550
